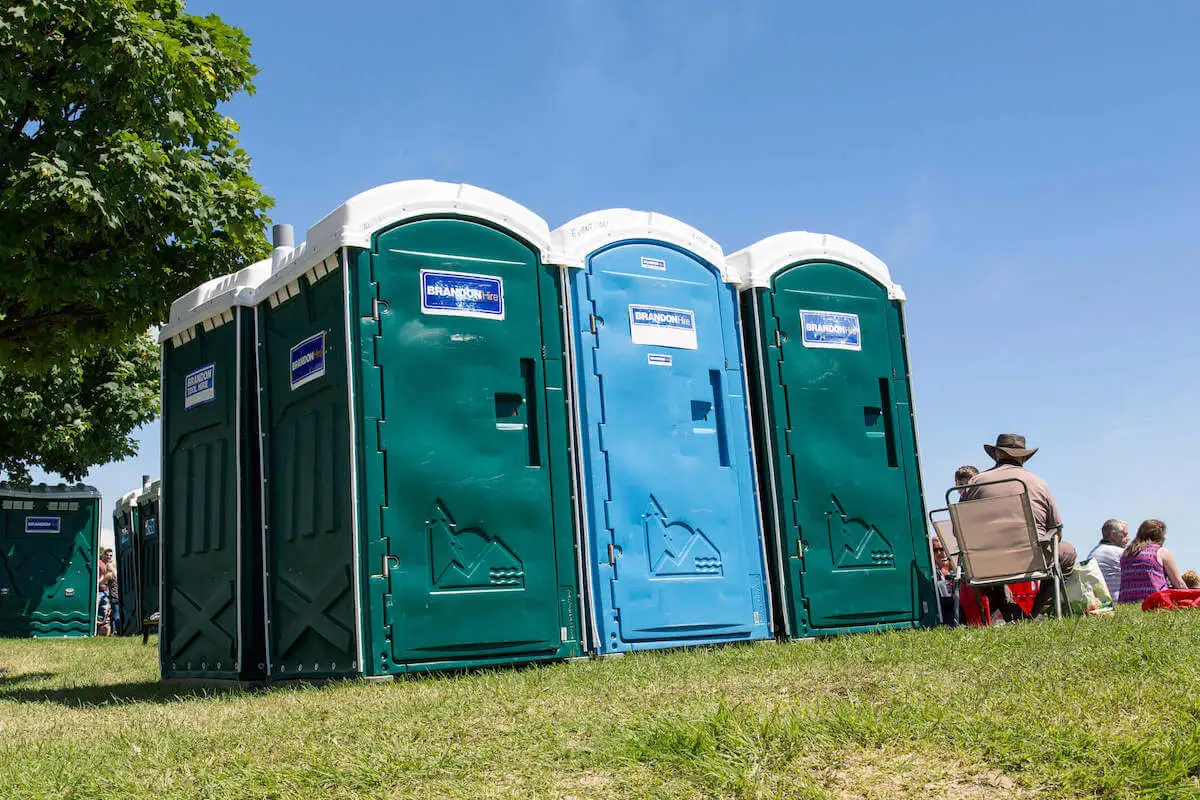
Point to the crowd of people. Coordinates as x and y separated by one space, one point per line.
1132 569
108 612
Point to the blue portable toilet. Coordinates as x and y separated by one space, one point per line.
671 543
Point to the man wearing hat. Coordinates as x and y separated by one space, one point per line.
1010 454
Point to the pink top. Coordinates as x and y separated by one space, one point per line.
1142 575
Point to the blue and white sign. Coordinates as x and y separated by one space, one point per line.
663 327
832 330
308 360
658 359
461 294
654 263
152 527
43 524
199 386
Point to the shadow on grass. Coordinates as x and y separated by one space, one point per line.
113 694
7 681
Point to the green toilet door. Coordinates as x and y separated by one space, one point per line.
199 612
49 562
468 512
309 541
851 557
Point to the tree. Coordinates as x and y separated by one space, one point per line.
122 186
70 417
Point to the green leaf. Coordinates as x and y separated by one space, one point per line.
122 186
79 414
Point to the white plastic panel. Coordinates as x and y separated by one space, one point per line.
354 222
43 491
756 265
572 243
127 500
214 297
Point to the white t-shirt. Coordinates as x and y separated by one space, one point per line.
1108 556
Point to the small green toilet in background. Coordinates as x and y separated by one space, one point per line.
416 462
835 436
210 533
49 560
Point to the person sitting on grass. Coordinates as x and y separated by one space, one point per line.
963 475
1190 579
943 580
1114 535
1146 566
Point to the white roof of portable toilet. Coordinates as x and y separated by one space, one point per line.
49 491
211 299
150 491
127 500
572 243
757 264
354 222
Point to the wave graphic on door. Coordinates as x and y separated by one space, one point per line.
854 543
469 558
676 548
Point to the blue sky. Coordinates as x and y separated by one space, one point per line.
1029 171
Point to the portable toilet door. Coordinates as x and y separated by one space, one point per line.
49 560
211 622
415 439
838 446
125 523
674 550
147 545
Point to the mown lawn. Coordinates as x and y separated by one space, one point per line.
1105 708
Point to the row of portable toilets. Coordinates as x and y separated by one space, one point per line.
136 539
437 434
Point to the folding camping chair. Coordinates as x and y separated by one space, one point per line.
997 540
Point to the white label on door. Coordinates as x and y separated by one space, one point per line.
658 359
199 386
830 330
43 524
654 263
462 294
663 327
307 360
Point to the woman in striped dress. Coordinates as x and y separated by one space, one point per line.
1147 565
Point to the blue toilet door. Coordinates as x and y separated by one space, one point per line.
674 544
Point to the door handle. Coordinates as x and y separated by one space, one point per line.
519 412
529 379
889 428
718 405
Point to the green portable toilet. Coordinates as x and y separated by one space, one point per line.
417 482
836 439
211 619
125 526
147 546
49 560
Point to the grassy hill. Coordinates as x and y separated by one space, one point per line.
1105 708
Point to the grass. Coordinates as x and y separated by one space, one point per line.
1097 708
